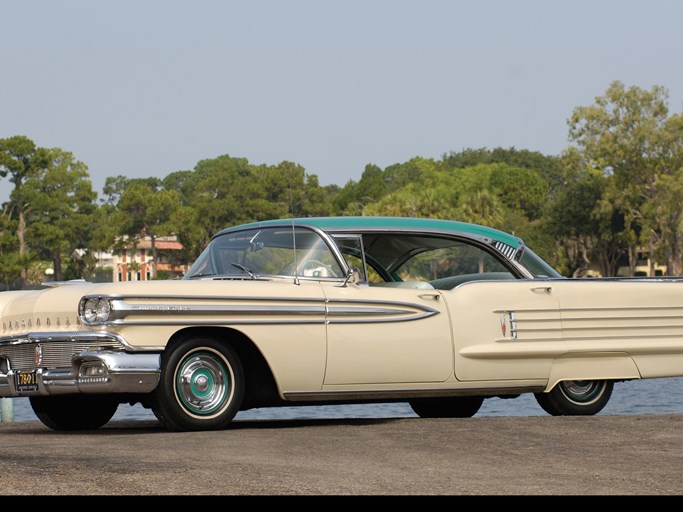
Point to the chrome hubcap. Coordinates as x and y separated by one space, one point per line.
203 383
582 391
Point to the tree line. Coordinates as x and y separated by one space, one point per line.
617 190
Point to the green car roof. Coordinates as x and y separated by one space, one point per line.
350 223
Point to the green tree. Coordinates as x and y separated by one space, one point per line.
10 264
546 167
587 224
483 207
628 133
104 232
665 210
375 186
514 188
182 182
59 204
414 201
355 195
21 159
145 210
225 191
520 189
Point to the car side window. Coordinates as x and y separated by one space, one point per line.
457 259
442 262
447 267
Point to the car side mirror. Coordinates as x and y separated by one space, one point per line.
353 276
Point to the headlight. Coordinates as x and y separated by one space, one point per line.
96 310
103 310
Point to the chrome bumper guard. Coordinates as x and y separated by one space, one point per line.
92 372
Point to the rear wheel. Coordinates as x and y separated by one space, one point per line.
576 397
74 412
201 385
455 407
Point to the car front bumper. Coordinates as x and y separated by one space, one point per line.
90 372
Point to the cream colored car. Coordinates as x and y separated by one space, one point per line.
436 313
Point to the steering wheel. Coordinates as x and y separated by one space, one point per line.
312 263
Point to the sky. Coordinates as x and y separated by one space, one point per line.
144 88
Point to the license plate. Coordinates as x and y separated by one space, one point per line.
26 381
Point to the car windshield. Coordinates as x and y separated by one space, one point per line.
282 251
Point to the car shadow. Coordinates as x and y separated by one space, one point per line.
130 427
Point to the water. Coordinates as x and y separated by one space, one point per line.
637 397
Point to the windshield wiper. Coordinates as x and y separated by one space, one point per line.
244 269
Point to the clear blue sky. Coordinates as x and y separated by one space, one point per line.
148 87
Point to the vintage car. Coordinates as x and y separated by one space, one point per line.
436 313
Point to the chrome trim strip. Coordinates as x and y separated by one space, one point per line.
214 322
393 394
331 244
122 309
341 315
320 311
362 229
75 336
513 325
201 297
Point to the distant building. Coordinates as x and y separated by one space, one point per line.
104 259
134 262
643 264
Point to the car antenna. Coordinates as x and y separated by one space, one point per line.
291 209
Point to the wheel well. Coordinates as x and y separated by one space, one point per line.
260 387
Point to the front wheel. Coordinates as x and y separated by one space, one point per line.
201 385
74 412
456 407
576 397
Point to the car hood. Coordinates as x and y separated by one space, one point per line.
51 309
56 309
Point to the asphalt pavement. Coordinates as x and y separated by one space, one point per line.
596 455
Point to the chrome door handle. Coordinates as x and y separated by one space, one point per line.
542 289
433 296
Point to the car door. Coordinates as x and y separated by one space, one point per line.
505 330
386 335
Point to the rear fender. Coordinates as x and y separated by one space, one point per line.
600 366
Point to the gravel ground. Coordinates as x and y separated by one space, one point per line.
597 455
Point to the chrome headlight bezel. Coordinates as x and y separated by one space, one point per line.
95 310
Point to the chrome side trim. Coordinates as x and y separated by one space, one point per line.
297 311
202 297
216 321
394 394
122 310
332 245
345 312
74 337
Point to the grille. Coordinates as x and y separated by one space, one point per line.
56 354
